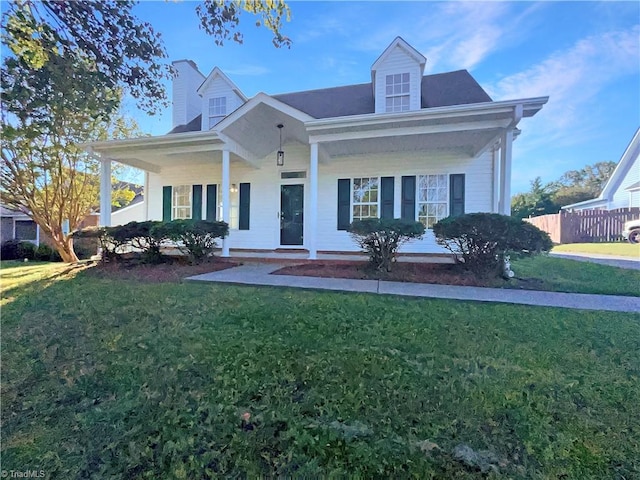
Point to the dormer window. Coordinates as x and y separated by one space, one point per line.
397 93
217 110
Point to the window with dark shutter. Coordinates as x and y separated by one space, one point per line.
166 203
245 201
197 202
408 206
386 196
456 195
212 199
344 203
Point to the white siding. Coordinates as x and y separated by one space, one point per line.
265 183
218 87
398 61
186 101
621 197
133 213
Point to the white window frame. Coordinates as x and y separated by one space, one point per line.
175 207
369 204
398 92
444 186
217 110
234 205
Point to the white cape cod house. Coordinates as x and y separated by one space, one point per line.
292 171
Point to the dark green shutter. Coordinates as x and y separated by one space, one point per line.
166 203
196 198
456 195
386 197
245 200
344 203
408 206
212 202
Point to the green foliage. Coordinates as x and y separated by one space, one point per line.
572 187
380 238
47 254
17 250
220 18
156 381
482 240
538 201
195 238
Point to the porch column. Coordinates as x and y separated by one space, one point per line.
505 171
313 204
105 192
495 165
226 210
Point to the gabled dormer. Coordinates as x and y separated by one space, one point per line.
220 97
397 78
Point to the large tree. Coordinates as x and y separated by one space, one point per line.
69 65
46 114
124 52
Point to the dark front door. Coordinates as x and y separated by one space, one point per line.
291 214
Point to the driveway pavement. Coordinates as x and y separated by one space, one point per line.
260 274
612 260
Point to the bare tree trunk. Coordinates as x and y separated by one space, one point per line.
64 245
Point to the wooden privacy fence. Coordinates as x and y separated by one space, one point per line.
586 226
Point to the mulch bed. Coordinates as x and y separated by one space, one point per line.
175 269
443 274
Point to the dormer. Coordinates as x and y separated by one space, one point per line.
397 78
186 101
220 97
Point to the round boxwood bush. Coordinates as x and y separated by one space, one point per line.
380 238
481 240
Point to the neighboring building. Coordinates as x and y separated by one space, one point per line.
294 170
17 225
622 190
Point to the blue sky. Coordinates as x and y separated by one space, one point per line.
584 55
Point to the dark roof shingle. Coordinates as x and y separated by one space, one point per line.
439 90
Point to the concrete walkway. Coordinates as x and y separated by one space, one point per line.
611 260
260 274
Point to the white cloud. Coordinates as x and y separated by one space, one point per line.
572 79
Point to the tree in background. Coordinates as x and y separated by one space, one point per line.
46 114
537 201
572 187
69 64
578 185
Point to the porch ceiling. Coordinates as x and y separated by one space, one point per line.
467 143
258 133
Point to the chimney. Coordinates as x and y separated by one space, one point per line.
187 104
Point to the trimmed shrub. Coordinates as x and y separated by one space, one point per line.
380 238
47 254
481 240
17 250
195 238
140 235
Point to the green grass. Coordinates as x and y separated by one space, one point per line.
105 378
621 249
564 275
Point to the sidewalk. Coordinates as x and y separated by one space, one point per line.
259 274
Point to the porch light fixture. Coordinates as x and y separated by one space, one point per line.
234 188
280 158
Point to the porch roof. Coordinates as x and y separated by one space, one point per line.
250 133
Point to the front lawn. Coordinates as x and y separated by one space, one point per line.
129 379
623 249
